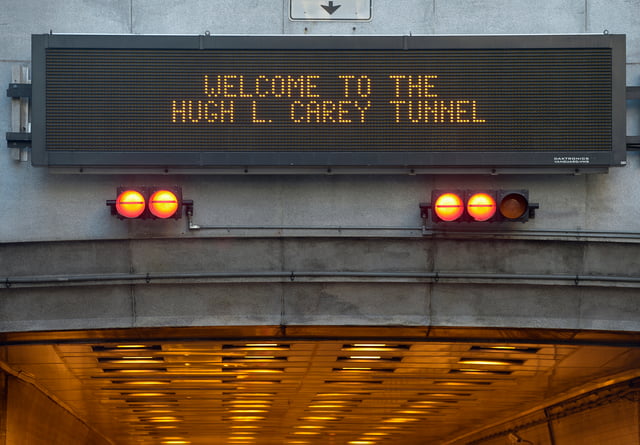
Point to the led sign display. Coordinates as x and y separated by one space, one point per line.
308 103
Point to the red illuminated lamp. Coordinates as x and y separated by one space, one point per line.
130 204
481 206
163 204
448 207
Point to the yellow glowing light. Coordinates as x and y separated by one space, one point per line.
484 362
246 418
369 347
134 361
164 419
136 371
248 402
337 394
198 380
343 402
443 394
146 382
255 382
455 383
319 418
250 406
147 394
254 394
474 371
401 420
326 406
259 371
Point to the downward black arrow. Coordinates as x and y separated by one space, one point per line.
330 8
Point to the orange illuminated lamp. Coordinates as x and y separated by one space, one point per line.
130 204
481 207
163 204
448 207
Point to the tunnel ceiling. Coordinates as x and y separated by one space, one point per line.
310 389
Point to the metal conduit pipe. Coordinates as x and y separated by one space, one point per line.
420 232
324 276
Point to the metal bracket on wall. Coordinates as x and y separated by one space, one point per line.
18 139
633 142
19 90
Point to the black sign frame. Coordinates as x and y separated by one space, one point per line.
322 161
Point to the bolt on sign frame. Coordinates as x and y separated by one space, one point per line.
339 104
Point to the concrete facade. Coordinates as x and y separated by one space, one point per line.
322 255
316 249
387 282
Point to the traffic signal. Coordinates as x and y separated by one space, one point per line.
149 202
479 206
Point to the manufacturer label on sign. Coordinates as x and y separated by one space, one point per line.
330 10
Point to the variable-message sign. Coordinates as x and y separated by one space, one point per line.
312 103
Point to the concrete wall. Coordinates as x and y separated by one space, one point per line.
54 227
35 419
609 420
40 206
388 282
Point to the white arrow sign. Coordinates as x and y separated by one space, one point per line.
351 10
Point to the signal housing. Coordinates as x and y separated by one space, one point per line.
149 202
478 206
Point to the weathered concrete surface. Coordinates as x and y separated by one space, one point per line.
56 227
297 281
